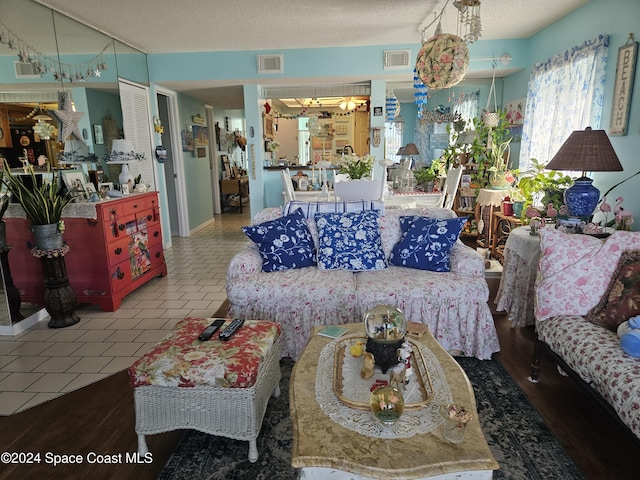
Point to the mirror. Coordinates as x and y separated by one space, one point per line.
340 122
43 53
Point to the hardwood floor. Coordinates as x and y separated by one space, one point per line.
100 419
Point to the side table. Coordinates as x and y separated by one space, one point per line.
502 226
517 285
235 186
488 202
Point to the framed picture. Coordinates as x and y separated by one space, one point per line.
105 186
187 140
200 152
200 136
98 137
227 169
267 125
124 189
74 180
342 129
89 189
623 88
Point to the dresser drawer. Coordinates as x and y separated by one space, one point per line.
137 267
118 250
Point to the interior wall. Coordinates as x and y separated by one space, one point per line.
597 17
196 169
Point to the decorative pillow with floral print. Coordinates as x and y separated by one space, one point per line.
426 243
283 243
350 241
621 301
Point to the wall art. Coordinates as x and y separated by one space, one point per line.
623 87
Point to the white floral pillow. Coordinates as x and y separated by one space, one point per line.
350 241
575 270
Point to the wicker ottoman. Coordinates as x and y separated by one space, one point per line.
220 388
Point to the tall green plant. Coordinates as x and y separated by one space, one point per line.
42 204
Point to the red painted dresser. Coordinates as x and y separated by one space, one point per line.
112 250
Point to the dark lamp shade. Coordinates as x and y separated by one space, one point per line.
586 150
410 149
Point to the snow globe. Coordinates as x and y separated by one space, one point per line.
386 327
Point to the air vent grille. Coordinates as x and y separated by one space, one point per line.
26 70
396 59
270 64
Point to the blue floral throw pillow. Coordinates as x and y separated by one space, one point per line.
283 243
350 241
426 242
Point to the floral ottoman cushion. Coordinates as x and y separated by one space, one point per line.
181 360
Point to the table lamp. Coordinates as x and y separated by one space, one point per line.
590 151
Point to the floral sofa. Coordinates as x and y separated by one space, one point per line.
579 324
454 304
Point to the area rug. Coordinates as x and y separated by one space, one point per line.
519 439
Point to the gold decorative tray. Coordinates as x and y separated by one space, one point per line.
419 395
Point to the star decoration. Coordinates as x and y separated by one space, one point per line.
69 122
97 72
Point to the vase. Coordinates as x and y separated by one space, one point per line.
125 177
517 208
47 237
498 181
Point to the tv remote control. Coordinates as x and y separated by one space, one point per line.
232 328
208 332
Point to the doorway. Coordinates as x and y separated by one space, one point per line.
169 171
173 168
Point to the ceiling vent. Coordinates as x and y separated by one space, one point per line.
26 70
271 63
396 59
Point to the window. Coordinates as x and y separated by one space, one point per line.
565 94
393 140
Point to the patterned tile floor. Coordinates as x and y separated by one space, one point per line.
42 363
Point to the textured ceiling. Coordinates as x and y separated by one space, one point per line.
211 25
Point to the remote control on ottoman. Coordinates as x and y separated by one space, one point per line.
231 329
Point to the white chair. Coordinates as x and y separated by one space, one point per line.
287 185
359 190
451 186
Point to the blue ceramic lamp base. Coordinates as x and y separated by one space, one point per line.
582 198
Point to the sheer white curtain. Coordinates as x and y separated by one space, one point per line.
467 107
565 94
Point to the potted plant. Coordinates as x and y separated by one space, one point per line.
4 204
539 187
356 167
500 177
427 176
42 205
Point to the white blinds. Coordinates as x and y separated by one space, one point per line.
137 129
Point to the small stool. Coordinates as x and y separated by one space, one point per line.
220 388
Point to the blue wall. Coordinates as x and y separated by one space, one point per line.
617 18
196 170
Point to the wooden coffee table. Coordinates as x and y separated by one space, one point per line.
324 449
